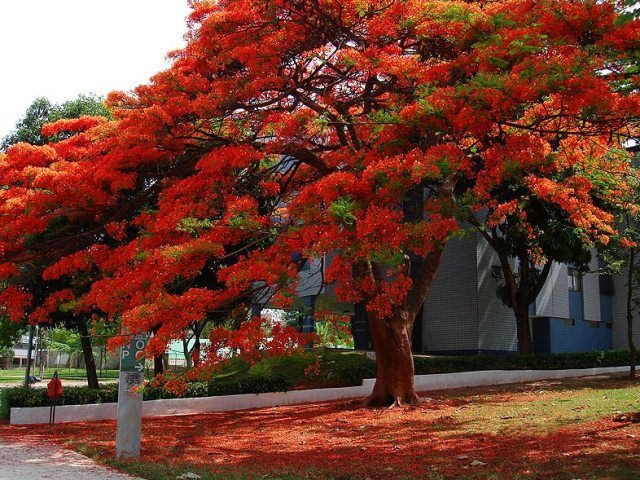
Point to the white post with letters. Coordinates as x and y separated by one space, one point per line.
132 365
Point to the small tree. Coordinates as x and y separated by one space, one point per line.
42 111
621 256
6 356
65 341
530 230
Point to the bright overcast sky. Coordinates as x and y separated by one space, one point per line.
61 48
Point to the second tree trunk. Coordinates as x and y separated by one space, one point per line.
87 352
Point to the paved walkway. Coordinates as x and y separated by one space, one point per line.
50 462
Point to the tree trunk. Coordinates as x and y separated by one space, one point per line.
525 345
394 378
158 365
29 348
632 345
187 354
196 348
87 352
43 358
391 337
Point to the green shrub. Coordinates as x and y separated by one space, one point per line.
280 374
84 395
250 384
540 361
156 393
197 389
292 366
21 397
15 397
346 369
37 397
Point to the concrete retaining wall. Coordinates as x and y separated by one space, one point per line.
185 406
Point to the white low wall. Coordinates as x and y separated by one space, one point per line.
443 381
185 406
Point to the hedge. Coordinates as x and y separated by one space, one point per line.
37 397
274 374
245 384
21 396
540 361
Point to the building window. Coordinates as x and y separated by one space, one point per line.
569 322
606 284
575 280
605 279
593 324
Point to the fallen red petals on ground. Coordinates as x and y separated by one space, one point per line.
344 438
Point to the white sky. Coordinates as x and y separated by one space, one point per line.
61 48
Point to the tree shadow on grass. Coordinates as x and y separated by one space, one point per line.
378 452
603 382
346 441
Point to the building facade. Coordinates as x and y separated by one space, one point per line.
20 350
463 314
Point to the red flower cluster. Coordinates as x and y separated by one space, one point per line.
355 130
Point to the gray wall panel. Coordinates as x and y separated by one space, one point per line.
450 311
553 300
620 314
496 321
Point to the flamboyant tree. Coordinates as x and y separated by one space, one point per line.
318 127
529 232
29 130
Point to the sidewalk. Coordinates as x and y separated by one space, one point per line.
51 462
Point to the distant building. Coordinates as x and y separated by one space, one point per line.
20 353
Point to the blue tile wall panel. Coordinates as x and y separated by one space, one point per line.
556 335
576 306
606 308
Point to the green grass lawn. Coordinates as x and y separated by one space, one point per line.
17 374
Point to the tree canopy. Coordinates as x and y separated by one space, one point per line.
359 129
42 111
9 332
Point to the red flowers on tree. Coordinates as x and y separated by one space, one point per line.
363 130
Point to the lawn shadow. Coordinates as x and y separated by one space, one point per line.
380 452
345 439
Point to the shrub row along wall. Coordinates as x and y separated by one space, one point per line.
37 397
280 374
188 406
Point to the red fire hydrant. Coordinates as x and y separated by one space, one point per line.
54 392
